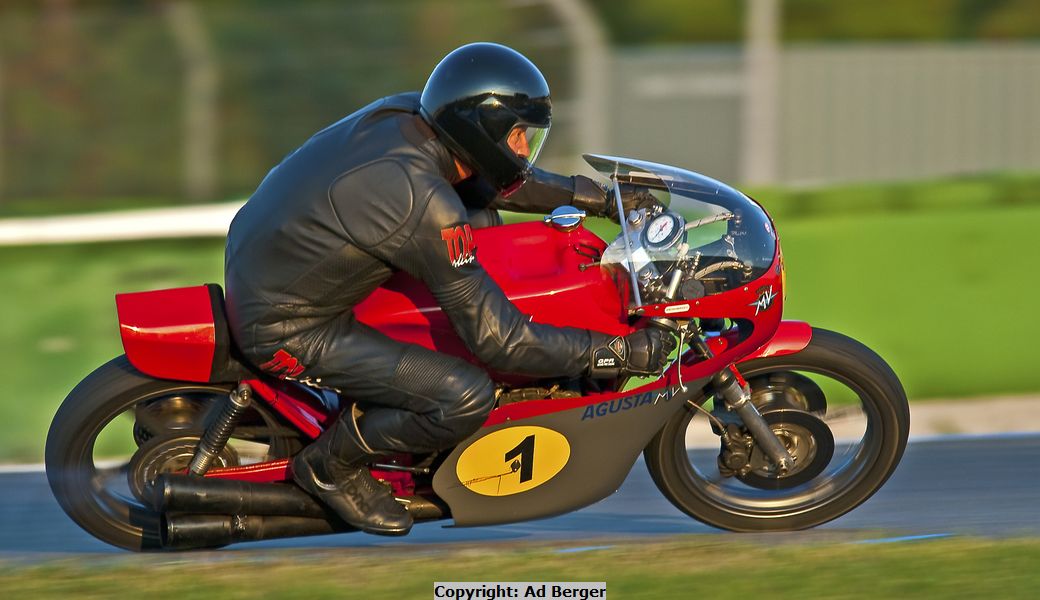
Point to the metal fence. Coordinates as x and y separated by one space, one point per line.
679 106
908 111
96 102
846 112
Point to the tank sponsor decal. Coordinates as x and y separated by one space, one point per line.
512 460
609 407
461 246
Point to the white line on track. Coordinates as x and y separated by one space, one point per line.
5 469
905 538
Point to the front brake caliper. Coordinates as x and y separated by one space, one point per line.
735 455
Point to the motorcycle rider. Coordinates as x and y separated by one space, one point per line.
399 185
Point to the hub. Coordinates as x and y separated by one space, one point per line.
169 455
809 442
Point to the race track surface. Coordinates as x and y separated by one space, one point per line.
983 486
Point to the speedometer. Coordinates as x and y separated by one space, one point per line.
663 231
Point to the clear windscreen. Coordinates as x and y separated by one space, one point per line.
701 237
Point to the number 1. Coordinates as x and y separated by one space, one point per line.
525 450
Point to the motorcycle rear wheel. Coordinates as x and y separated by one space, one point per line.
691 481
90 481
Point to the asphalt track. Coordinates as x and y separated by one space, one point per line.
980 486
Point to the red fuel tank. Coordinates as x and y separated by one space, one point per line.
539 268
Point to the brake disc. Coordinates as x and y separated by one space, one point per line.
808 440
787 389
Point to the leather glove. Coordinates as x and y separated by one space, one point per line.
597 199
644 352
633 197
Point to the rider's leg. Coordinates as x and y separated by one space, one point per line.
412 400
333 469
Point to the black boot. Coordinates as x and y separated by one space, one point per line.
332 470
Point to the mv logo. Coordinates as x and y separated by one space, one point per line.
461 247
765 299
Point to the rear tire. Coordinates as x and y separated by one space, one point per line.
845 484
93 490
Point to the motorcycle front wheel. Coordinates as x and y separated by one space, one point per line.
118 429
835 402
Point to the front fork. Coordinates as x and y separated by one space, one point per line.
730 386
736 394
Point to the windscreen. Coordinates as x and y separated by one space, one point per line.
701 238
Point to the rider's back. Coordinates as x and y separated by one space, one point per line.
304 247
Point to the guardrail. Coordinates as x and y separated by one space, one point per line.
209 220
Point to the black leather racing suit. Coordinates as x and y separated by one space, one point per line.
366 196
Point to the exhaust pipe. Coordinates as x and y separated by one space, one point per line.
187 532
211 496
224 511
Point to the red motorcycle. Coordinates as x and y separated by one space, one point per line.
177 444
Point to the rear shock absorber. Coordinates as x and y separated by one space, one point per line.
219 431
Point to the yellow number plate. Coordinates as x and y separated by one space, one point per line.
513 460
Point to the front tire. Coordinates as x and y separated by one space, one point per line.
863 461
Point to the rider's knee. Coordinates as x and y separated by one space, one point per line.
475 398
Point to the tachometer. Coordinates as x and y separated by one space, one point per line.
663 231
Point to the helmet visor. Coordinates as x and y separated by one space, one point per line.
536 137
526 141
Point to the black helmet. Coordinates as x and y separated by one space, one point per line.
474 99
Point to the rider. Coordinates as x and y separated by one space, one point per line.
375 193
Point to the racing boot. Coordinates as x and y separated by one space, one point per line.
332 470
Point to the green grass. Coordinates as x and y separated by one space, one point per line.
59 320
946 296
61 206
682 567
968 192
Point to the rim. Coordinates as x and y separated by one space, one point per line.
101 465
854 418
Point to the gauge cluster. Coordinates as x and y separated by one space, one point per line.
658 249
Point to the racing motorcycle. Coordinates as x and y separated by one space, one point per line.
758 424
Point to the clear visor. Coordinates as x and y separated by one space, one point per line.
527 141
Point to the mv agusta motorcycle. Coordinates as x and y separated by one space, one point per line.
758 424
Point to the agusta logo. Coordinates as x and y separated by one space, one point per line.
461 247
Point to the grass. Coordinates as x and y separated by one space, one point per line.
968 192
946 296
49 207
59 320
682 567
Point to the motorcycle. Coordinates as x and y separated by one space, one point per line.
758 424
